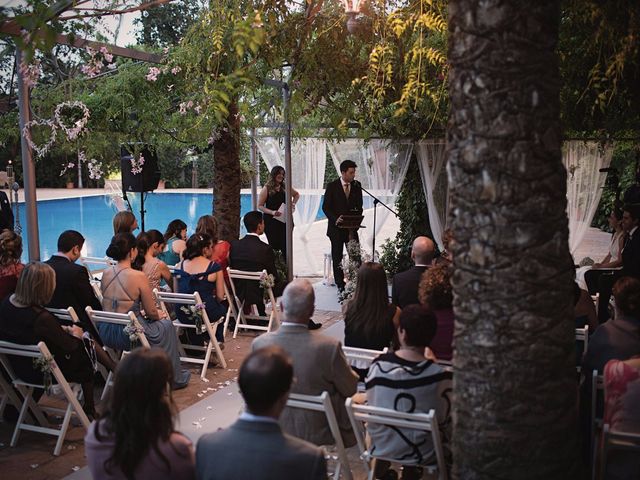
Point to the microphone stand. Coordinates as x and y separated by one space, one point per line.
376 201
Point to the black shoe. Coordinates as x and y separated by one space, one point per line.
313 325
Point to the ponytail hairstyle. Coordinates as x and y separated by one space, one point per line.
144 242
174 228
195 245
120 246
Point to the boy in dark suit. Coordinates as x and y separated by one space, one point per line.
342 197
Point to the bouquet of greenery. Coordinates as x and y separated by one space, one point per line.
194 313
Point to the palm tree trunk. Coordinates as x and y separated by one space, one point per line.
227 176
515 380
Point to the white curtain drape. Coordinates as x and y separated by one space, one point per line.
381 168
431 160
308 160
583 160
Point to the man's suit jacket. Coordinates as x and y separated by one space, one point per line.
404 288
335 203
253 255
318 365
257 450
631 256
73 290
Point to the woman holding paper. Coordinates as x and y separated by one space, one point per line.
271 202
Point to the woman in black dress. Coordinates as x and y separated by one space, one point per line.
271 197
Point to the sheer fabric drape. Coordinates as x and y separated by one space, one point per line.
308 160
381 168
583 160
432 162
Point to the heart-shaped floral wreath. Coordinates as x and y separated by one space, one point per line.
40 150
79 125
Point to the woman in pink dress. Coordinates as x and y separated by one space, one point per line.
10 264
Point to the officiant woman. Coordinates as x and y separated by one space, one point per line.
270 202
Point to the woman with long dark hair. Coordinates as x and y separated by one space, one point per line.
174 238
221 248
150 244
125 289
370 319
199 273
136 437
271 197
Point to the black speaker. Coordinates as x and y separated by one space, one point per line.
147 175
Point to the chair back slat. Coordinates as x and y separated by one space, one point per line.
69 314
123 319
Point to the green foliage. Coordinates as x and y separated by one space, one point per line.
414 221
165 25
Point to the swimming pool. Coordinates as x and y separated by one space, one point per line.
92 217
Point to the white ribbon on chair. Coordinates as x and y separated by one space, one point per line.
381 168
432 160
308 159
583 160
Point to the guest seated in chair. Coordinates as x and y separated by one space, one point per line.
253 255
221 248
319 365
370 320
175 238
404 290
124 222
436 293
254 447
136 437
150 244
24 320
198 273
10 264
405 380
125 289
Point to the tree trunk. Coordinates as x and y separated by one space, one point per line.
515 379
226 179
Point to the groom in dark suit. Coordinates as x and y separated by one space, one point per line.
72 280
342 197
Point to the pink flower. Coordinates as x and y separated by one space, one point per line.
176 70
152 76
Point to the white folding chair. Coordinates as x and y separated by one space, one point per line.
232 311
617 440
71 393
597 385
241 318
180 299
102 263
427 422
69 314
361 357
322 403
125 320
582 335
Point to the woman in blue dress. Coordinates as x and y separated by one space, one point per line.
198 273
125 289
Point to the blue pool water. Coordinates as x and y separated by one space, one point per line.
92 217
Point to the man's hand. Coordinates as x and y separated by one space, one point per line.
339 220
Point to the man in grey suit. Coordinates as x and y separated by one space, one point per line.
319 365
254 448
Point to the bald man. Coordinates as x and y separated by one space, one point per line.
404 290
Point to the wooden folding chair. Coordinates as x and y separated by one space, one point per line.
359 415
180 299
125 320
71 393
617 440
322 403
241 319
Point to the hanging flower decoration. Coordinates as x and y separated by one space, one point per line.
40 150
46 366
30 73
98 58
136 165
133 329
95 169
194 313
267 281
65 112
153 73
